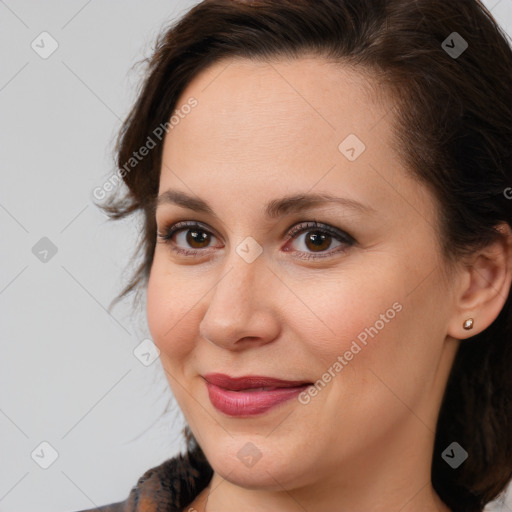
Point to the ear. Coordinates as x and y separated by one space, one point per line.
484 286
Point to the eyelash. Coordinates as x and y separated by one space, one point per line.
303 227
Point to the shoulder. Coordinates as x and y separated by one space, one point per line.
169 486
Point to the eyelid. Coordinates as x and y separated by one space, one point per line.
168 231
299 228
304 226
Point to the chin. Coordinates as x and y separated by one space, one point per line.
262 477
263 468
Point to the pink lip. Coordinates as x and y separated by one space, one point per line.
232 396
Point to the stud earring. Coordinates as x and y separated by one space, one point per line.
468 324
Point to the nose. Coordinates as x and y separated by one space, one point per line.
242 308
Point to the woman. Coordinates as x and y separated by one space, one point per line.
327 254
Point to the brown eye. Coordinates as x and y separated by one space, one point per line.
197 239
186 238
317 239
192 239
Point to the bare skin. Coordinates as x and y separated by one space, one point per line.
364 442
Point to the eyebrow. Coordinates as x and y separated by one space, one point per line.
273 209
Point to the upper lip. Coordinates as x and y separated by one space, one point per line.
250 381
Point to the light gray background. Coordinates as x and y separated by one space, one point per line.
68 374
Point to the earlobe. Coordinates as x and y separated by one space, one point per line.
485 287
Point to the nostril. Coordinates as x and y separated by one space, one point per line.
249 338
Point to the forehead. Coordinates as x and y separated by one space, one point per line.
277 106
279 127
286 113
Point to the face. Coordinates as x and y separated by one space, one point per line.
346 294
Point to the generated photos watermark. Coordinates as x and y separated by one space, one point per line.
344 359
157 135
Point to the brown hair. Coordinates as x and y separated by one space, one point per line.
453 130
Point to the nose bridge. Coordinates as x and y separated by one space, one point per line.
239 305
239 281
237 291
244 270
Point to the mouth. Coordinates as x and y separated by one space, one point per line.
251 382
250 395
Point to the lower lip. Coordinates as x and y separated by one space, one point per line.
249 403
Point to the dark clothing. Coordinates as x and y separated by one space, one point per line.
169 487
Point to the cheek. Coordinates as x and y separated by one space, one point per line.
381 333
365 330
366 337
346 309
170 313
